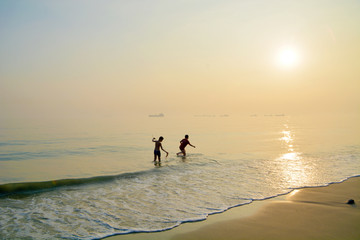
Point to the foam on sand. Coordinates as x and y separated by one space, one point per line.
307 213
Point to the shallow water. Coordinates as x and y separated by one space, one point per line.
91 180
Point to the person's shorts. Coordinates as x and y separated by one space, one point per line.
157 153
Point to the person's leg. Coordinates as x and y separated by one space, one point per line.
183 151
156 154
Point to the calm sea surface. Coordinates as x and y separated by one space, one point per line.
84 180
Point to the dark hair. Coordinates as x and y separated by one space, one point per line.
161 138
186 136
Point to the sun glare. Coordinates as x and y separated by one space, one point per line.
287 57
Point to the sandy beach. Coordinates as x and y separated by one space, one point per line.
308 213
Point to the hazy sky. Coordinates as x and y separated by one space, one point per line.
107 58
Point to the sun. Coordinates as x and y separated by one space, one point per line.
288 57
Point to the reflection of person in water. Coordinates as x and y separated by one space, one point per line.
183 144
158 146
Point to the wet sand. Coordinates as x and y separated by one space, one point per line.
308 213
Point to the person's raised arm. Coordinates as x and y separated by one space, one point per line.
154 139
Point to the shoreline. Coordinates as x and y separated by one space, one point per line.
305 213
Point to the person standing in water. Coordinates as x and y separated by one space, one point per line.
183 144
158 146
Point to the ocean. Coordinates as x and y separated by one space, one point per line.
77 179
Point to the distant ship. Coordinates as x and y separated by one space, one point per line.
274 115
157 115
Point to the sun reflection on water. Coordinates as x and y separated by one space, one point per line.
291 162
287 138
291 156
